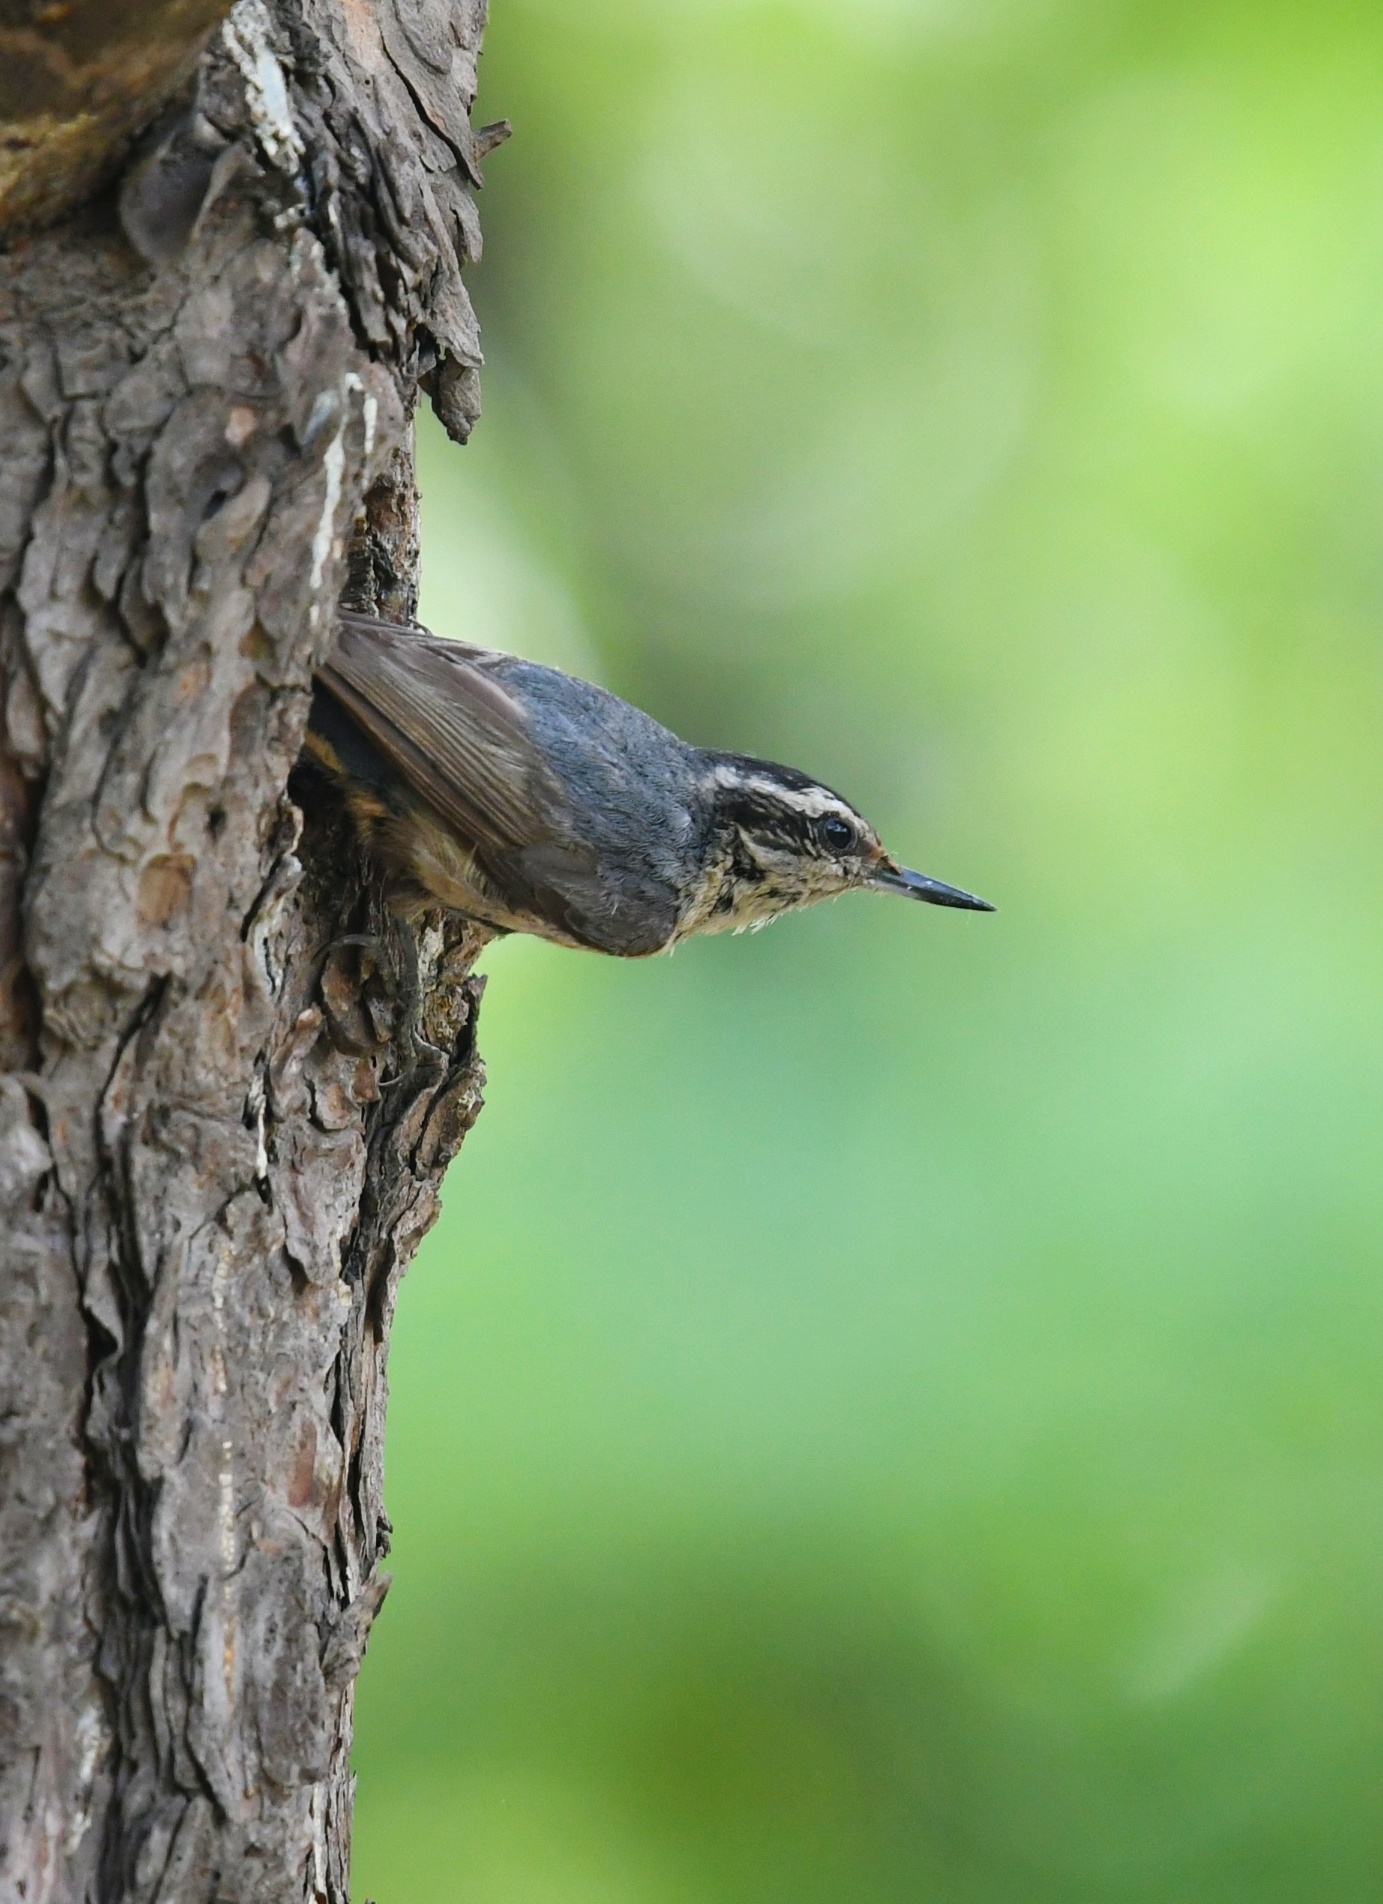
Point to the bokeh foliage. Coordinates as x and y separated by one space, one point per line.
892 1410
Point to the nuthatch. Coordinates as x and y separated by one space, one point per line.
534 802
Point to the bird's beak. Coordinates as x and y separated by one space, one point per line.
901 879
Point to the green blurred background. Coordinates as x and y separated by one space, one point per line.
892 1411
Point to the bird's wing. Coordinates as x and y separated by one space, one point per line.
448 726
446 723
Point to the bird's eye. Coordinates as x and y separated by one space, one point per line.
837 835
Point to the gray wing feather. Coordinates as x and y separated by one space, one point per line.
449 727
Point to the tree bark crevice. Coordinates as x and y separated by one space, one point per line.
77 82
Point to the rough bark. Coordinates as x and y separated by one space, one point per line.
230 1081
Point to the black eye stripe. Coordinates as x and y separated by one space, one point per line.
761 815
779 821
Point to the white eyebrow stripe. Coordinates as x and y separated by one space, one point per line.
811 801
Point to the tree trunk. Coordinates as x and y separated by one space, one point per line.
231 1082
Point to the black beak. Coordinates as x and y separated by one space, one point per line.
901 879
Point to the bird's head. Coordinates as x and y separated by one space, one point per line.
779 840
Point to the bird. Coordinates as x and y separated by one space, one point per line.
528 800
